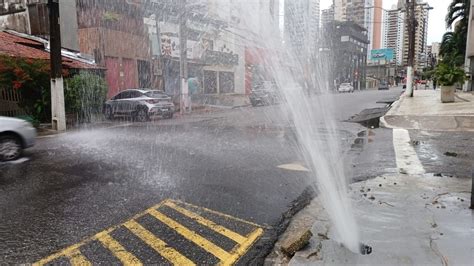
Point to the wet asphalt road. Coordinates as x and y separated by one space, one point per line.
78 184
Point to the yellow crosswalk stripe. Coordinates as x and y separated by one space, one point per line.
210 224
157 244
118 250
192 236
244 247
77 259
173 255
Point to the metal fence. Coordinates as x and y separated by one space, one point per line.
9 103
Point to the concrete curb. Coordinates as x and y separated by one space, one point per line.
460 122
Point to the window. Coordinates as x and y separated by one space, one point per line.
226 82
125 95
135 94
210 82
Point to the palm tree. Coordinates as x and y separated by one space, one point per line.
453 47
458 10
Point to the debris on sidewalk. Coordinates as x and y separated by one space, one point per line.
408 219
296 242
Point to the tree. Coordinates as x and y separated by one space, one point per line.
453 45
85 94
458 10
30 78
453 48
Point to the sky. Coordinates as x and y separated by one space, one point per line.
436 26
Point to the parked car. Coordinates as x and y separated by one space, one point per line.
383 85
265 94
140 104
345 87
15 135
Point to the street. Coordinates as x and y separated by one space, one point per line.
200 189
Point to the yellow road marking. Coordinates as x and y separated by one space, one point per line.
192 236
244 242
157 244
118 250
244 247
213 212
77 259
210 224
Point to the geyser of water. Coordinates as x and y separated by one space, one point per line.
308 114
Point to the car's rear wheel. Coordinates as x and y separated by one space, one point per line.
141 115
10 148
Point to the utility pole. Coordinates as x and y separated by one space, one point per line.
183 57
58 112
410 9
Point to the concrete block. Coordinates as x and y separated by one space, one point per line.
296 241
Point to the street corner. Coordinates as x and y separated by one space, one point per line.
171 232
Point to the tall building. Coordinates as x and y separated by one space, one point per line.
435 49
302 26
362 12
421 36
344 53
327 15
377 24
394 32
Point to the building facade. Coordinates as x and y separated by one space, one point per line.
394 32
113 32
421 38
301 27
31 17
377 24
361 12
327 15
344 53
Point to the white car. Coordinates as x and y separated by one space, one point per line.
15 135
345 87
140 104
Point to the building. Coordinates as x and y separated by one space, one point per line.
435 46
113 33
377 24
421 37
327 15
394 32
31 17
344 51
301 28
361 12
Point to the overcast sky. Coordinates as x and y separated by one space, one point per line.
436 27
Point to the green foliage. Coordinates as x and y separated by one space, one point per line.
449 75
30 78
453 45
458 10
110 16
85 95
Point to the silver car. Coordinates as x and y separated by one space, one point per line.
140 104
15 135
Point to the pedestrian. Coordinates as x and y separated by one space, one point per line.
434 83
193 85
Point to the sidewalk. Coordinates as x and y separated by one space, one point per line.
425 111
406 219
